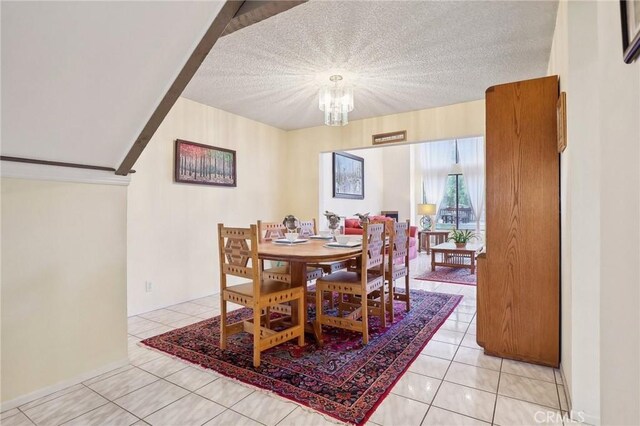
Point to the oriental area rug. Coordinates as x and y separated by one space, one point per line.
343 379
445 274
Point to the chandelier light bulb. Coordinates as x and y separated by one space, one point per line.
336 100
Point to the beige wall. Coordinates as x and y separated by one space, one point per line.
304 145
600 298
63 282
172 239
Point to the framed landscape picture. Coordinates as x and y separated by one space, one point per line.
204 164
630 16
348 176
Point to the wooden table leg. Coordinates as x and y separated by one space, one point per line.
473 263
428 237
299 276
433 260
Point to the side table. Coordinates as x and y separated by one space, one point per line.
424 239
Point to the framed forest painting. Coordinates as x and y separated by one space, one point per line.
204 164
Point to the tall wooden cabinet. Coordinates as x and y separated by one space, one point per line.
519 274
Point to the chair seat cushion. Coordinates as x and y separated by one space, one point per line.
267 287
330 267
347 277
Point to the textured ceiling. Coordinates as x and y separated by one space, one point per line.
399 56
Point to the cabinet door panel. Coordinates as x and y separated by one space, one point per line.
523 221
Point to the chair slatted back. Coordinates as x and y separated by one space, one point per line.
238 252
270 231
308 228
399 242
373 241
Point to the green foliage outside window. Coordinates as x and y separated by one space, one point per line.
450 193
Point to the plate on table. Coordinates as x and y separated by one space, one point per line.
350 244
285 241
320 237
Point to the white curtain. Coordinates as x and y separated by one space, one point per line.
471 159
436 159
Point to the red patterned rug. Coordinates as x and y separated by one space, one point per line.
343 379
449 275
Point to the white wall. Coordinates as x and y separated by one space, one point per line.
600 201
398 182
373 187
619 114
388 184
63 283
172 238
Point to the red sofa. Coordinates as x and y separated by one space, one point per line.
352 227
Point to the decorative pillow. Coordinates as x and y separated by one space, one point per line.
352 223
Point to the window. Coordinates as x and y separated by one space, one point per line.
455 209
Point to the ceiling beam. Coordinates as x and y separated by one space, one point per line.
254 11
234 15
226 14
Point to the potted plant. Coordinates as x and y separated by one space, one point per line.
462 237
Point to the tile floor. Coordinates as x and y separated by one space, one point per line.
451 383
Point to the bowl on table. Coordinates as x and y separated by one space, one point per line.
343 239
291 236
325 234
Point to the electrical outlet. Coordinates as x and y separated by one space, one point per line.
148 286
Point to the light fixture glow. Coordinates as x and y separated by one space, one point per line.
336 101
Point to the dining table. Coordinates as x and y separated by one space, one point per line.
299 255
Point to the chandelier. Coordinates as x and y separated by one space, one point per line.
336 101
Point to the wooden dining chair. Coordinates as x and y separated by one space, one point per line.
363 285
398 265
269 231
308 228
238 251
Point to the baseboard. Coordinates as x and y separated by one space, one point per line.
586 418
32 396
578 416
